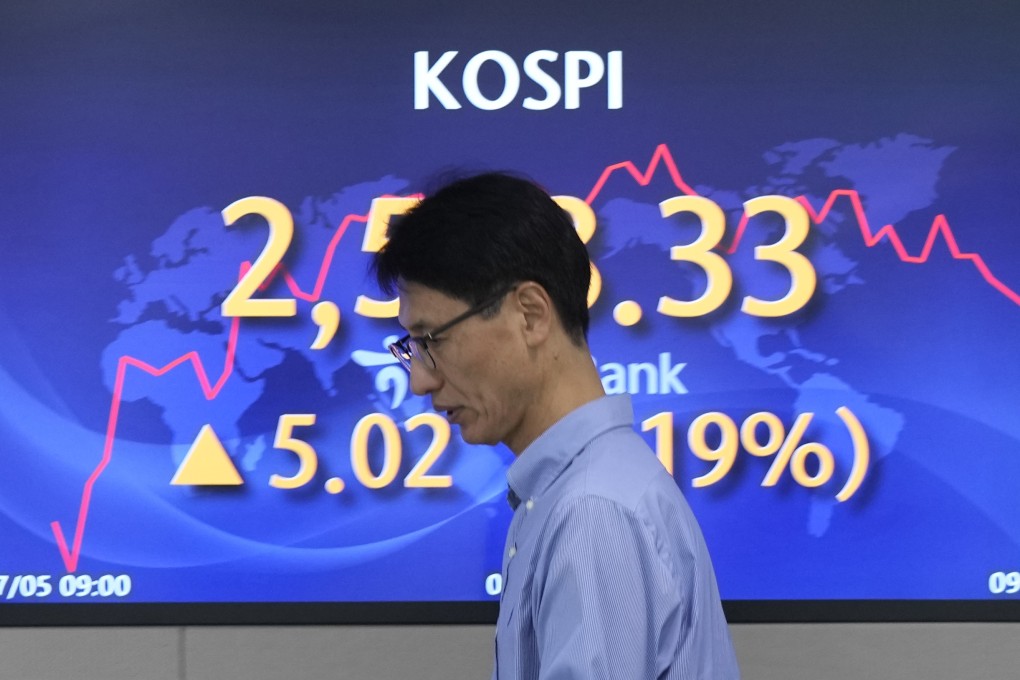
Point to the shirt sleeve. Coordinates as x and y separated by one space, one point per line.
606 603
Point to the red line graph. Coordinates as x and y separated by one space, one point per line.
940 225
661 156
71 554
327 261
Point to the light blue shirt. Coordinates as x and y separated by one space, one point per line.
605 572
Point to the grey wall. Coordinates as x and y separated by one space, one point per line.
766 651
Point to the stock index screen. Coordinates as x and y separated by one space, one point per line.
804 227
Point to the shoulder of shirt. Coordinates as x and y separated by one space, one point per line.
620 467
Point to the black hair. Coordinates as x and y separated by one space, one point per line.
482 234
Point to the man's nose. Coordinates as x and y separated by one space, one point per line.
423 380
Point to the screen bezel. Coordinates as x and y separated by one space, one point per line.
481 613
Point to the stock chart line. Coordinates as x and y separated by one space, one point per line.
324 267
661 157
71 553
940 225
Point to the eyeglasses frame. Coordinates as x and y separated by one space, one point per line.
401 349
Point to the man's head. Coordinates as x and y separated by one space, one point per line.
493 282
480 235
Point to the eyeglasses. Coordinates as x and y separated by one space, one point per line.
417 346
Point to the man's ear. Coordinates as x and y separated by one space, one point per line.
537 310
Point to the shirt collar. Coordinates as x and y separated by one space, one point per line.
541 463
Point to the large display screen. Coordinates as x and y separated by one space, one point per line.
803 221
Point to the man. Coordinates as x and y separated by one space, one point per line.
605 572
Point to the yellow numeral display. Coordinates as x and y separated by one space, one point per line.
281 231
701 253
379 215
803 279
788 450
391 457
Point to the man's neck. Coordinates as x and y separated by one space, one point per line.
568 380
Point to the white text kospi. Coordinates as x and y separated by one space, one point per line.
580 69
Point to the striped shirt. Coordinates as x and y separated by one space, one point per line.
605 572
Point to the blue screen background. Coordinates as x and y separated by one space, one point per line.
127 129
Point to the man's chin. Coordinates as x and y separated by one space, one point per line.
475 436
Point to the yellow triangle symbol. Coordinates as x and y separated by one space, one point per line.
207 463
